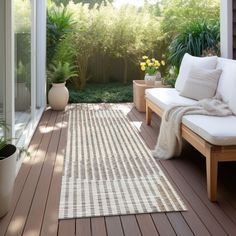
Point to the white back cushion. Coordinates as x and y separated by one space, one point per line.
189 61
232 102
227 83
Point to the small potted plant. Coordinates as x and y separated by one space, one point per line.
58 74
8 154
151 69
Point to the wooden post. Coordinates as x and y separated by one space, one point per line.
148 114
212 173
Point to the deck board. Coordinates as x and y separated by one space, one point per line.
113 225
146 225
98 226
130 225
83 227
66 228
35 202
163 224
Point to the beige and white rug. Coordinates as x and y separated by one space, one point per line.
108 170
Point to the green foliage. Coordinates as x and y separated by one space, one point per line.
22 15
81 44
60 72
122 35
96 93
170 77
194 38
91 3
125 33
23 58
134 32
176 13
59 23
4 141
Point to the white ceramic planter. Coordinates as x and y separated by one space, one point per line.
150 79
7 178
58 96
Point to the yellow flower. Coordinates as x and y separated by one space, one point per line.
142 64
148 61
150 64
153 59
143 68
157 63
145 57
163 62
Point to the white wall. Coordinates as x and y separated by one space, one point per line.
226 28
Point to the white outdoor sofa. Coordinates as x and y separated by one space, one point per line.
214 137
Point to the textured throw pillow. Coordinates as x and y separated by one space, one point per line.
201 83
189 61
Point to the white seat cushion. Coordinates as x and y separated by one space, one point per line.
216 130
164 97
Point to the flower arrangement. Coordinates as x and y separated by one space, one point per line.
150 66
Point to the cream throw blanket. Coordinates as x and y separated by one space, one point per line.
169 143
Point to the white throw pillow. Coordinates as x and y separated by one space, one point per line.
189 61
201 83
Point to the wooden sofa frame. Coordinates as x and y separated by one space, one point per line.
212 153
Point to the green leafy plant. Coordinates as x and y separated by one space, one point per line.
194 38
59 23
5 141
60 72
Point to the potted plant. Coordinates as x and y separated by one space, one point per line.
58 74
8 154
151 69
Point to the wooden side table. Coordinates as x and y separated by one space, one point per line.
139 87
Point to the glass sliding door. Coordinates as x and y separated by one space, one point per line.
22 67
22 30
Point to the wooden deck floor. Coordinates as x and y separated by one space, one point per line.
35 203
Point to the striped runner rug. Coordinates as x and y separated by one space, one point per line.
108 170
